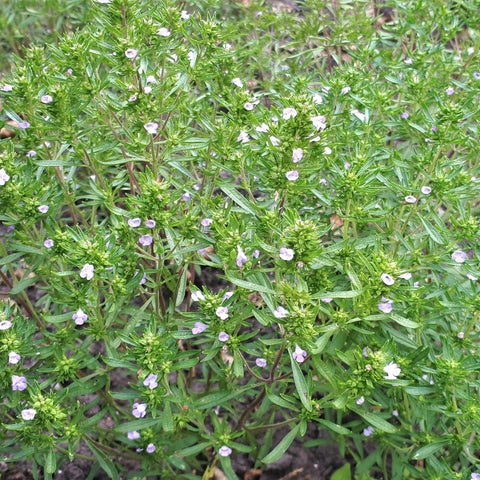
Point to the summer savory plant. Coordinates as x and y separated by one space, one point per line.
321 163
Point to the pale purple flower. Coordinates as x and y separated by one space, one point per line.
368 431
410 199
317 99
256 253
23 125
150 223
237 82
150 448
224 451
5 324
289 113
476 76
28 413
222 313
387 279
345 90
360 401
286 253
280 312
241 257
405 115
139 410
164 32
199 327
131 53
31 153
263 128
361 116
274 141
248 106
14 358
450 91
134 222
392 371
395 413
292 175
48 243
472 277
386 307
132 98
43 208
46 99
145 240
7 88
186 197
19 383
367 351
346 165
87 271
143 280
151 128
80 317
297 155
405 276
197 295
459 256
184 15
104 1
261 362
323 181
428 379
206 222
223 336
475 476
151 381
426 190
434 128
133 435
319 122
326 300
148 89
299 354
408 61
151 79
4 177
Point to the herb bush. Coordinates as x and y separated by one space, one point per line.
323 162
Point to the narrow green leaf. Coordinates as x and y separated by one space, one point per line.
430 449
249 285
239 199
419 390
301 384
376 421
103 460
50 461
343 473
137 424
282 447
181 288
433 232
167 418
405 322
334 427
193 450
345 294
23 284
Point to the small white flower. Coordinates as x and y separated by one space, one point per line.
87 271
261 362
151 79
286 254
450 91
243 137
280 312
263 128
4 177
408 61
147 89
7 88
248 106
150 448
345 90
360 401
139 410
131 53
5 324
14 358
410 199
392 371
426 190
289 113
386 307
459 256
197 296
319 122
292 175
387 279
28 413
133 435
184 15
317 99
405 276
327 151
224 451
164 32
241 257
237 82
222 313
472 277
192 57
80 317
299 354
151 381
297 155
43 208
46 99
134 222
361 116
274 141
199 327
223 336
